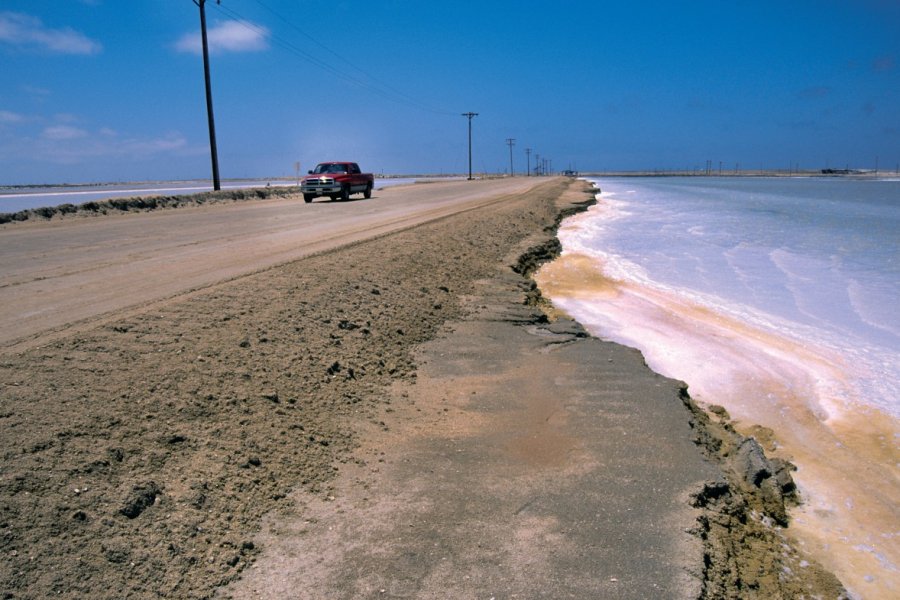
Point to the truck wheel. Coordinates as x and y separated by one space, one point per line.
345 192
308 197
368 192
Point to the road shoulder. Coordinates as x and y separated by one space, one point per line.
527 460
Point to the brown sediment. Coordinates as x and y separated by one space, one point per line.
141 457
577 274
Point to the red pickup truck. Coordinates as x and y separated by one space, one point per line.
337 180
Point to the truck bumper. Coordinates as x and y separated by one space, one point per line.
321 190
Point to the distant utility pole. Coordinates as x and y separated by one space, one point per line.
470 116
528 158
217 185
511 142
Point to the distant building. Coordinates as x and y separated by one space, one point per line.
847 171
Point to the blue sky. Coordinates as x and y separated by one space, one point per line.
112 90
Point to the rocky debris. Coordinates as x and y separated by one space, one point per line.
567 327
531 259
748 553
534 257
141 498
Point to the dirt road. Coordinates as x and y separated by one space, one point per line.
55 274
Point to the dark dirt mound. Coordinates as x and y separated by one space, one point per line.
145 203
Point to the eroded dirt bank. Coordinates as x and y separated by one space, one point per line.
139 458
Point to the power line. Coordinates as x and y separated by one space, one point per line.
349 63
370 83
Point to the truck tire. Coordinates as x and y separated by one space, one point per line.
368 193
308 198
345 192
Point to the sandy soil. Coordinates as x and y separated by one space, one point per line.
81 266
141 456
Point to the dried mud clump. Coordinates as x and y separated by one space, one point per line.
748 553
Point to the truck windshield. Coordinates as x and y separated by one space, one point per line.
330 169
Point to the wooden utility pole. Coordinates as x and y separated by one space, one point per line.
470 115
217 185
511 142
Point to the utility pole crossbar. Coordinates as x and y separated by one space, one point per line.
511 142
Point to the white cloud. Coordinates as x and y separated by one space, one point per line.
25 31
66 118
144 147
62 145
8 117
63 132
64 139
35 92
230 36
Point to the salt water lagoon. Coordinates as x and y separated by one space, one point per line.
776 298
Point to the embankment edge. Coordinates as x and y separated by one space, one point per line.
745 512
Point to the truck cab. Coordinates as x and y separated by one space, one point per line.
337 180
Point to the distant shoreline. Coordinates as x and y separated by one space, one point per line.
93 199
834 173
863 173
110 199
261 180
